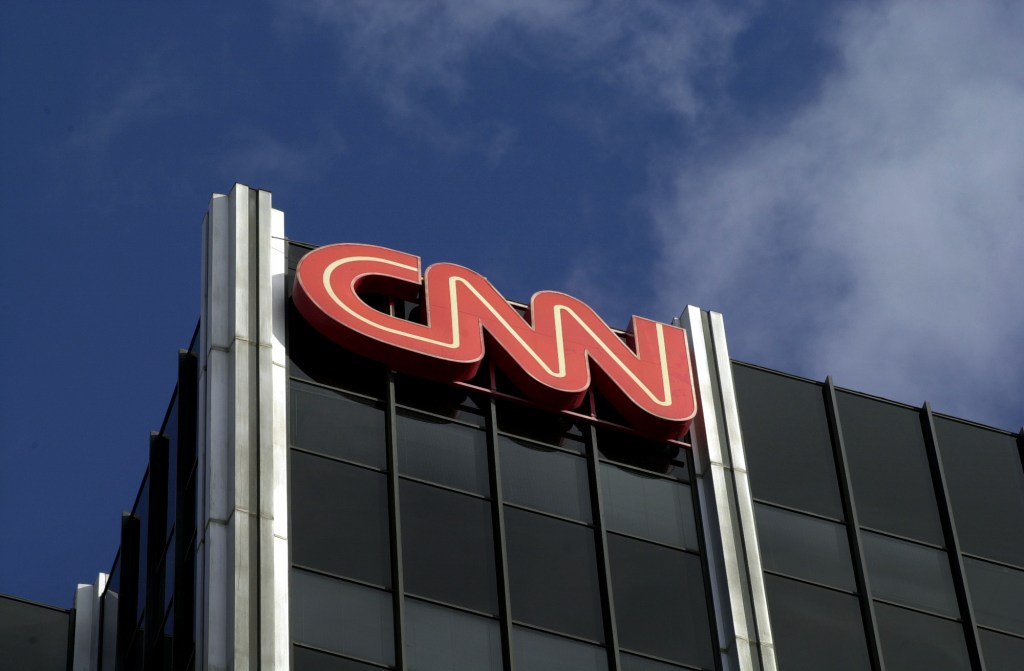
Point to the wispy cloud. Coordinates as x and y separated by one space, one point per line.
150 95
411 52
879 235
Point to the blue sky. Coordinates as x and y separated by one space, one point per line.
844 181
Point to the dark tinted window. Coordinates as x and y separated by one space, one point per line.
545 427
660 601
998 595
635 663
441 399
443 639
338 425
889 469
910 574
785 432
443 452
804 547
659 457
914 641
1002 653
340 518
342 617
310 660
553 574
313 357
986 489
537 651
647 506
544 478
448 546
815 628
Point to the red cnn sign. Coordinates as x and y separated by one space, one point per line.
550 355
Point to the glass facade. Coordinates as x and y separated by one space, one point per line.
889 535
457 527
461 527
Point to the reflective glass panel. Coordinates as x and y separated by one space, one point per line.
889 469
553 574
336 508
660 601
986 489
786 435
440 399
545 479
537 651
1002 653
342 617
910 574
310 660
337 425
914 641
443 452
448 546
815 628
804 547
546 427
647 506
659 457
313 357
997 593
630 662
443 639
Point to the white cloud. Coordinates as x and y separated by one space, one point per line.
879 235
409 49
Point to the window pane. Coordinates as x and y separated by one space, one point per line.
815 628
804 547
341 426
1002 653
660 601
986 489
650 455
553 574
913 641
910 574
440 399
789 451
548 480
634 663
442 639
889 469
337 507
342 617
313 357
311 660
443 452
448 546
537 651
998 595
546 427
650 507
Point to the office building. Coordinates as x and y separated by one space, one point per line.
325 496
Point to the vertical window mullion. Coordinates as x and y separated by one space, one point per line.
603 570
853 527
395 530
500 543
963 594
